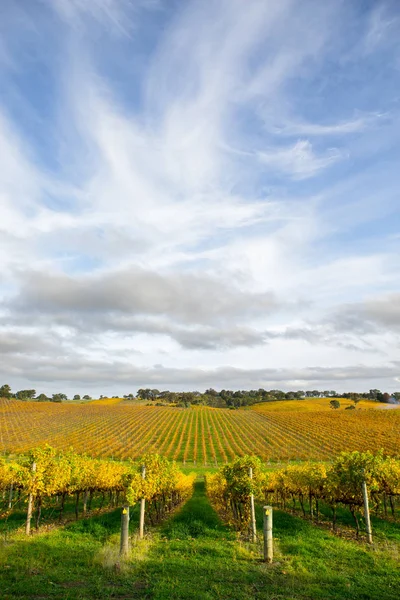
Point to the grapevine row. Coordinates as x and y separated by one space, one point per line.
336 484
45 474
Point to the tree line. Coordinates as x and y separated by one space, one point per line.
211 397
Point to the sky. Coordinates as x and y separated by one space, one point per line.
199 194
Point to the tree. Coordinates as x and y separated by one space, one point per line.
42 398
376 395
25 394
58 397
334 404
77 397
5 391
145 394
86 397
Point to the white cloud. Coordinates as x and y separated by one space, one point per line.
299 161
356 125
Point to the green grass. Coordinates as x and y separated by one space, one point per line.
193 555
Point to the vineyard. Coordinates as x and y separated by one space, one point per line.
187 550
197 435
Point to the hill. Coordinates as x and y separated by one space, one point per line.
198 435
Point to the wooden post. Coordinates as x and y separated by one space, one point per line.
253 513
30 507
85 499
267 530
10 496
366 513
124 547
142 508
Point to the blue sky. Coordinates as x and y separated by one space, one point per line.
199 194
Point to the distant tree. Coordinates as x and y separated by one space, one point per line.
277 394
77 397
211 392
86 397
334 404
25 394
58 397
145 394
42 398
5 391
375 395
385 397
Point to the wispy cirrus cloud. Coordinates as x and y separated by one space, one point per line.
299 161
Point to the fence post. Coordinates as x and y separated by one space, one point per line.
142 508
366 513
10 496
267 530
30 506
253 512
124 547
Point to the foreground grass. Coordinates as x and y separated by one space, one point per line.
195 556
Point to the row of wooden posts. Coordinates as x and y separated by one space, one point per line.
267 523
267 527
267 520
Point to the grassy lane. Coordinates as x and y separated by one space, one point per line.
197 557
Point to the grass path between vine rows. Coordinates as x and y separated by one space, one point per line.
194 556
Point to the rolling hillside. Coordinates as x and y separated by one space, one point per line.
200 435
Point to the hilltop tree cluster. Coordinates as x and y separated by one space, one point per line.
5 392
238 398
